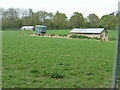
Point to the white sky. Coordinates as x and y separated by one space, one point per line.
86 7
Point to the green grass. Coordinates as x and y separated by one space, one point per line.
45 62
112 35
50 32
58 32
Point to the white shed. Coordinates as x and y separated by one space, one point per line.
91 32
27 28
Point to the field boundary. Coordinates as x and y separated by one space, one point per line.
68 37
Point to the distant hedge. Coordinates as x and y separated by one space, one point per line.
83 37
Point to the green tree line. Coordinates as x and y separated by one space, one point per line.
15 18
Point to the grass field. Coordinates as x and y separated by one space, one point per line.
45 62
111 33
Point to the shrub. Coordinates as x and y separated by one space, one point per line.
62 35
65 35
96 38
74 36
83 37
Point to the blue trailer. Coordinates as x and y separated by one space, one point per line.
40 29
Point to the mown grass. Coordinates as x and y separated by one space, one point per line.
45 62
111 33
58 32
52 32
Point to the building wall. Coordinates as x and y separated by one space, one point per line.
104 35
91 35
26 28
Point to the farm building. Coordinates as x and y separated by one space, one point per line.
91 32
27 28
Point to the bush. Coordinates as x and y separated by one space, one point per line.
83 37
63 35
60 35
96 38
74 36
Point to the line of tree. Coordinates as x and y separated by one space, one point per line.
14 18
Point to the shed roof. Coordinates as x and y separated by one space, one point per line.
87 30
40 26
27 27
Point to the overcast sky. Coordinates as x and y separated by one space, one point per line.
86 7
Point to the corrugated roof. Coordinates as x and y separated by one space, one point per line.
40 26
87 30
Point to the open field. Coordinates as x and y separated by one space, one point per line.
45 62
111 33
